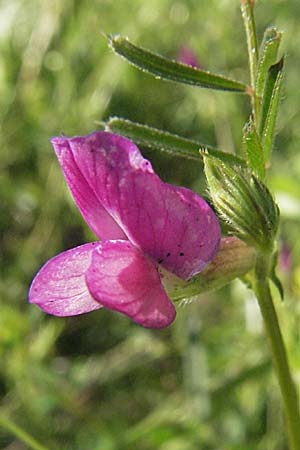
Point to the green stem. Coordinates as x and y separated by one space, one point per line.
280 361
249 23
20 434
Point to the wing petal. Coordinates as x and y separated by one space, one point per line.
59 288
121 278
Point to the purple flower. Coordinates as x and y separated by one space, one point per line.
188 57
141 222
285 258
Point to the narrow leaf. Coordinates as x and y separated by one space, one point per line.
270 123
277 283
167 69
272 76
225 157
270 107
155 139
274 278
249 24
254 151
267 57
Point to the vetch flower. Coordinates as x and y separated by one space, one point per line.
188 57
142 223
285 258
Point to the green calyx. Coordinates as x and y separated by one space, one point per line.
243 203
234 259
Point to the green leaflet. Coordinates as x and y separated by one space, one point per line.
171 70
270 102
270 122
254 151
225 157
274 278
249 24
267 57
155 139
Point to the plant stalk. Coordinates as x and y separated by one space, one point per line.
249 24
280 361
20 434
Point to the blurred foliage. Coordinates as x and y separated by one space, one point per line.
99 381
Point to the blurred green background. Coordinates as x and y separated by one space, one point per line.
99 381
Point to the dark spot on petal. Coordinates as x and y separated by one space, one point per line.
181 254
168 254
160 261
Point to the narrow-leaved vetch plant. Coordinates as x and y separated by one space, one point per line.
142 223
160 243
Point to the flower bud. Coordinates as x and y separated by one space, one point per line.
243 203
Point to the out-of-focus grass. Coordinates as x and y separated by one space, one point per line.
98 381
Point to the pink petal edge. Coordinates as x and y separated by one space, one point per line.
99 221
59 288
121 278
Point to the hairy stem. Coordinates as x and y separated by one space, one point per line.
280 361
249 24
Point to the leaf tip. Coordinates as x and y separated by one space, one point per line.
104 34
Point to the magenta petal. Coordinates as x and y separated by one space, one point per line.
173 225
121 278
188 57
100 222
106 160
59 288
